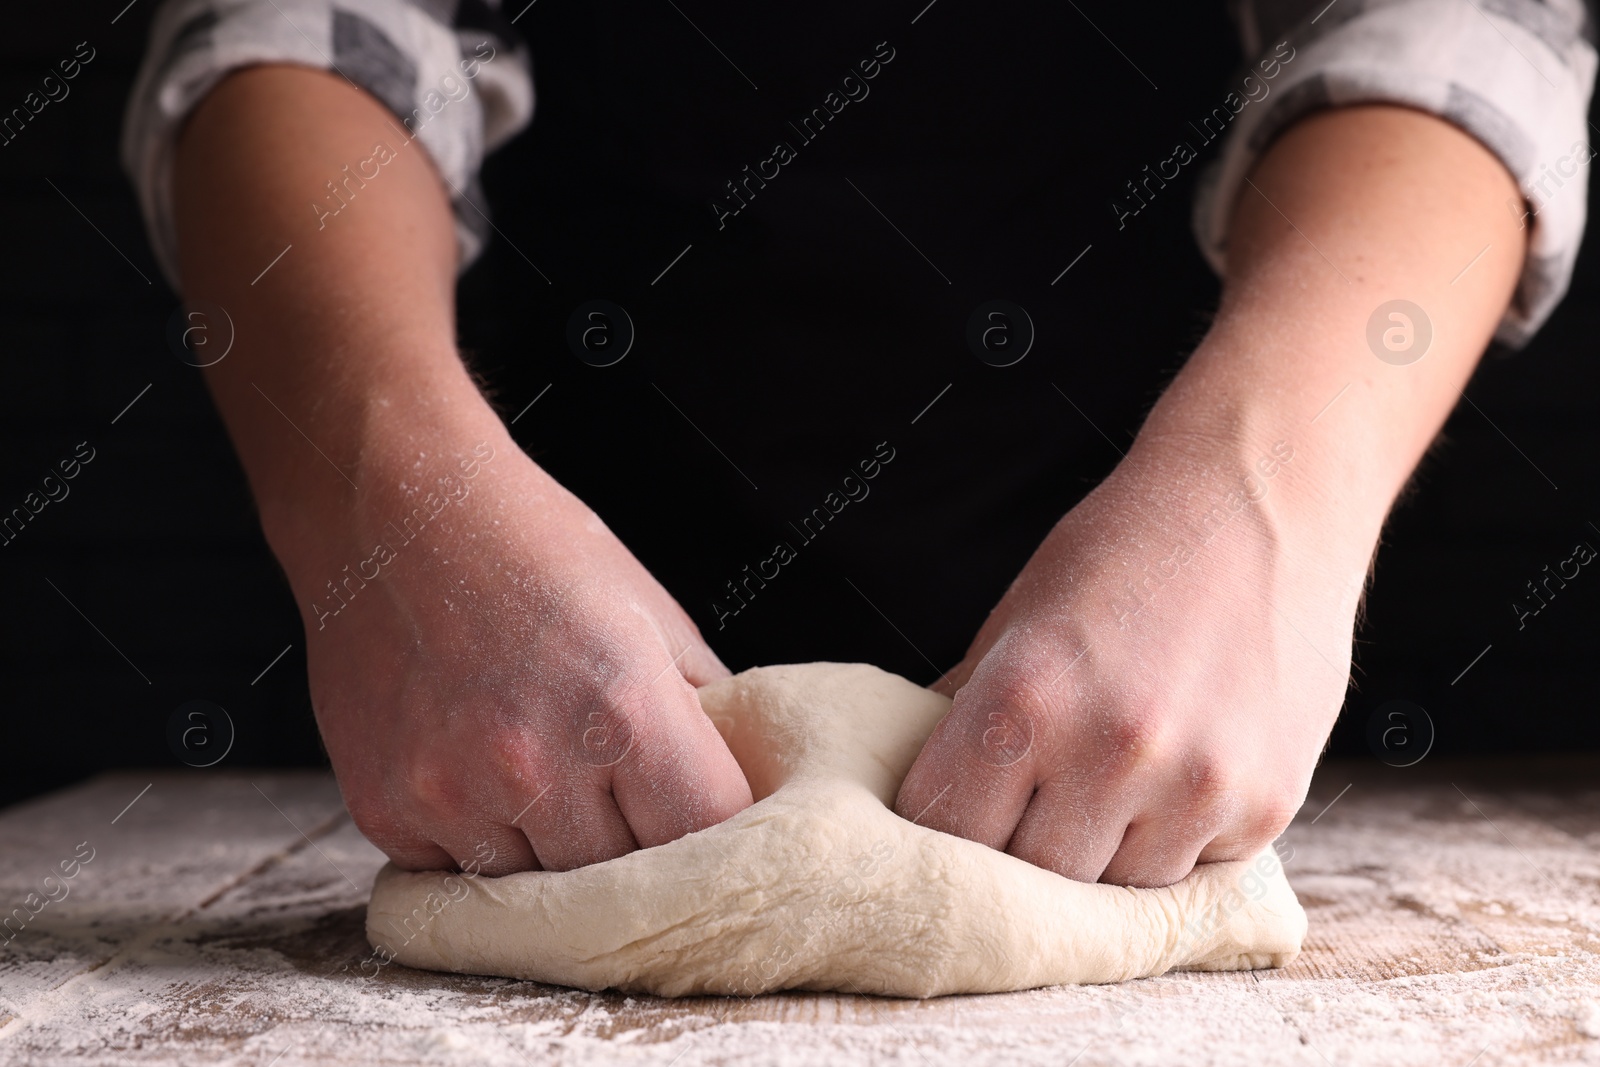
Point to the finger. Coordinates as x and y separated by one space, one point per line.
951 681
492 851
576 823
691 656
1073 827
700 666
672 773
1158 851
415 854
1116 828
976 772
1248 833
397 836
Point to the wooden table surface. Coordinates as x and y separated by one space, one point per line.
1454 907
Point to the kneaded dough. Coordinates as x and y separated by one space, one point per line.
821 886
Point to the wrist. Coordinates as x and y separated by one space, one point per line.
410 459
1244 480
1235 407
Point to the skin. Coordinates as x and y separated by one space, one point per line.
515 685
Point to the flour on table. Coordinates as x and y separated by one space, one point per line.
820 885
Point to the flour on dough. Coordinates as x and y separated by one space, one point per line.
821 886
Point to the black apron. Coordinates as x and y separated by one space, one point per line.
887 325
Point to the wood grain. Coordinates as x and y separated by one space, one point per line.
1454 906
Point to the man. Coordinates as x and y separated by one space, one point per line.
489 663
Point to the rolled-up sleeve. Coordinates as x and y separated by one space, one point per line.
453 72
1515 74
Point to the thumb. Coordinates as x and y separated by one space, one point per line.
976 773
677 775
691 657
699 665
954 678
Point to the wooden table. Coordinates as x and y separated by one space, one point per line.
1454 906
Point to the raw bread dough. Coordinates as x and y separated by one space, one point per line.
821 886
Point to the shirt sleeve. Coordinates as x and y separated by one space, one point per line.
453 72
1516 74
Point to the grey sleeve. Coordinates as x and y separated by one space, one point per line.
1516 74
453 73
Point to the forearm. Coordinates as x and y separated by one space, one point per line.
348 338
1176 651
1350 209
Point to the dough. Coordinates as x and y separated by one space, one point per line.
821 886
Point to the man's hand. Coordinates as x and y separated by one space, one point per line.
501 672
492 673
1155 687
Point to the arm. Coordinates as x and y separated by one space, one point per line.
1399 203
494 675
1155 688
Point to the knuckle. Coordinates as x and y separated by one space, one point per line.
606 728
636 700
1001 720
377 819
1018 693
1212 785
628 696
1131 738
1268 819
519 752
433 781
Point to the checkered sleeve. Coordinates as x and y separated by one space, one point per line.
1516 74
452 71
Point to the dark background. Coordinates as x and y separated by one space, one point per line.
796 339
